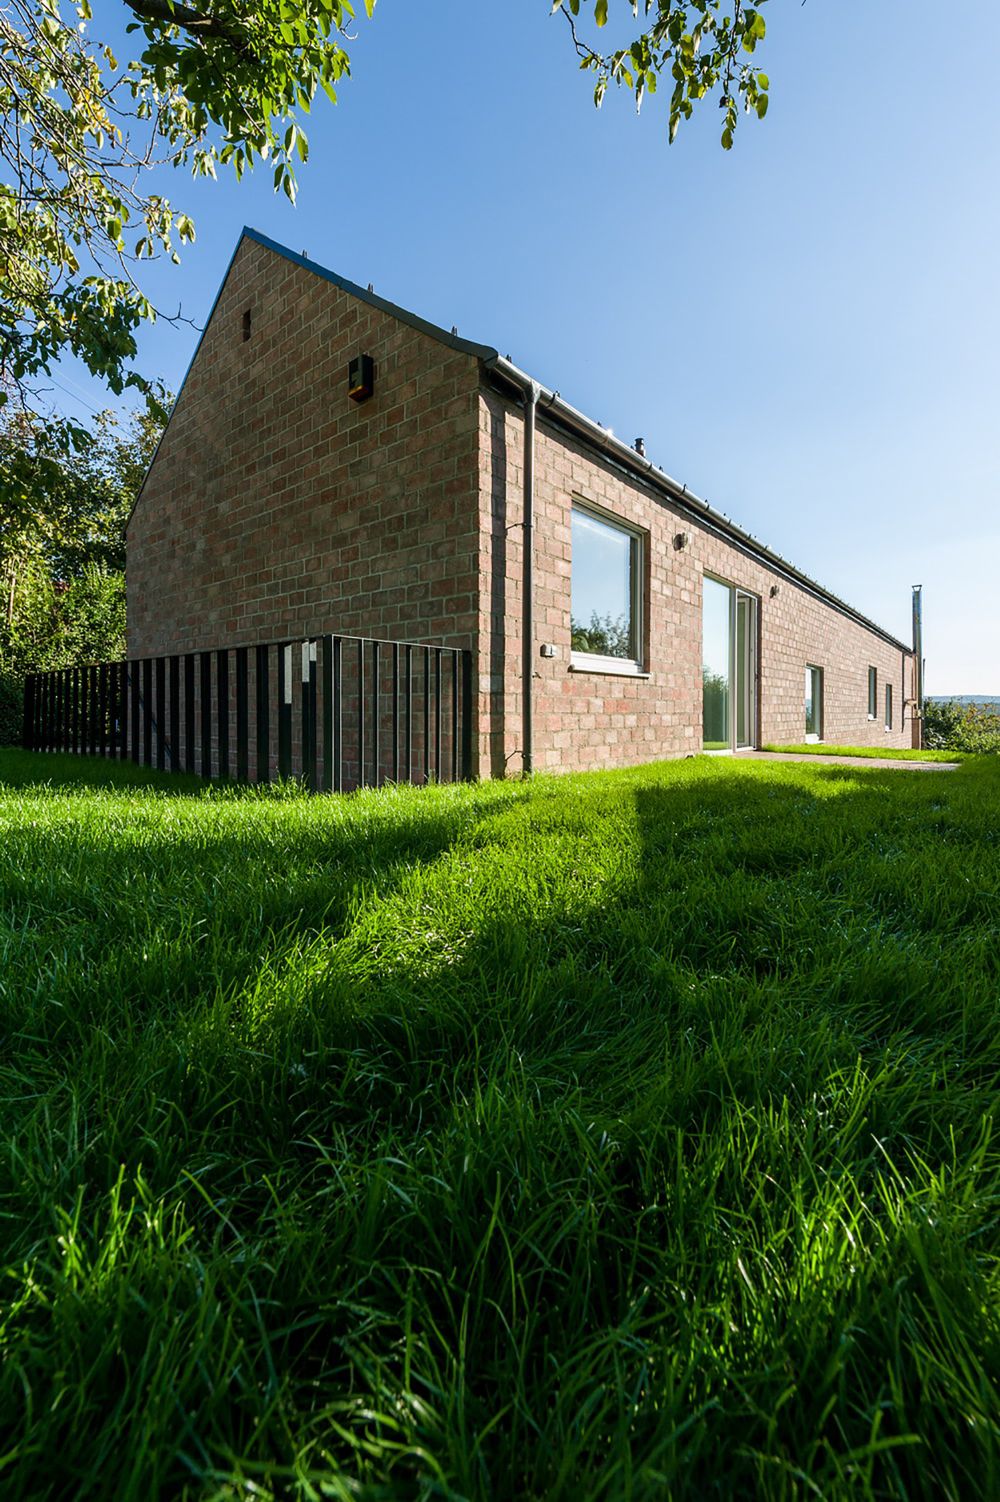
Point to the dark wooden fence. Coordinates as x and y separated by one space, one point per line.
337 712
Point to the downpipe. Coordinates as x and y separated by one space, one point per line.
531 394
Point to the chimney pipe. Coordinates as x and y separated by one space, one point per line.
918 665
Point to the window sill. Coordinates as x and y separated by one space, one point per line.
586 662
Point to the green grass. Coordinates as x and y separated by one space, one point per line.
622 1136
869 753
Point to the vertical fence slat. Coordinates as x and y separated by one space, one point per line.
362 769
160 711
427 714
454 716
92 710
206 714
72 730
314 711
222 702
263 726
326 678
175 711
285 710
190 764
395 711
102 710
304 707
467 715
437 715
408 695
121 709
147 712
376 751
338 714
242 716
133 689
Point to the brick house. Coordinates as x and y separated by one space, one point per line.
613 618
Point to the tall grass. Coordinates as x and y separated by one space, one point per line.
612 1137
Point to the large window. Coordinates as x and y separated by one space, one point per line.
873 693
814 703
605 598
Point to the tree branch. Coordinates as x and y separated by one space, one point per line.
198 22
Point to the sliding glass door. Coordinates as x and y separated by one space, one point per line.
729 668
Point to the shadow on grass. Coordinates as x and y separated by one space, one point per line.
559 1141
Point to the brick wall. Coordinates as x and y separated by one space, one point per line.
585 719
277 507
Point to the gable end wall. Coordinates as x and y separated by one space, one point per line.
276 507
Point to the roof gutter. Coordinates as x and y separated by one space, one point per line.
567 416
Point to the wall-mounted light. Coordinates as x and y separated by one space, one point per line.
361 378
775 591
681 541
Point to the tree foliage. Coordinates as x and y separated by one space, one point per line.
219 83
704 47
971 727
62 548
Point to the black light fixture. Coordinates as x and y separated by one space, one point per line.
361 378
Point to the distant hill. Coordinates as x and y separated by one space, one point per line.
992 704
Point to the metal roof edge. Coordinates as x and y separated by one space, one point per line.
551 404
483 352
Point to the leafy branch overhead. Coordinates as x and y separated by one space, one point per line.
223 83
702 46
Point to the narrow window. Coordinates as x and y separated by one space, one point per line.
873 693
605 592
246 325
888 706
814 703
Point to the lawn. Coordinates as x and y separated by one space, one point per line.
621 1136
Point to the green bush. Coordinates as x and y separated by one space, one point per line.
11 709
57 627
961 727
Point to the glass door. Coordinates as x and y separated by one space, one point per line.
729 667
746 671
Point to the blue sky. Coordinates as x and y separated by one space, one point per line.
805 330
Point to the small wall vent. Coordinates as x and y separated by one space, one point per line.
361 378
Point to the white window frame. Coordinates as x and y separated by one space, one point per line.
888 708
873 693
595 662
